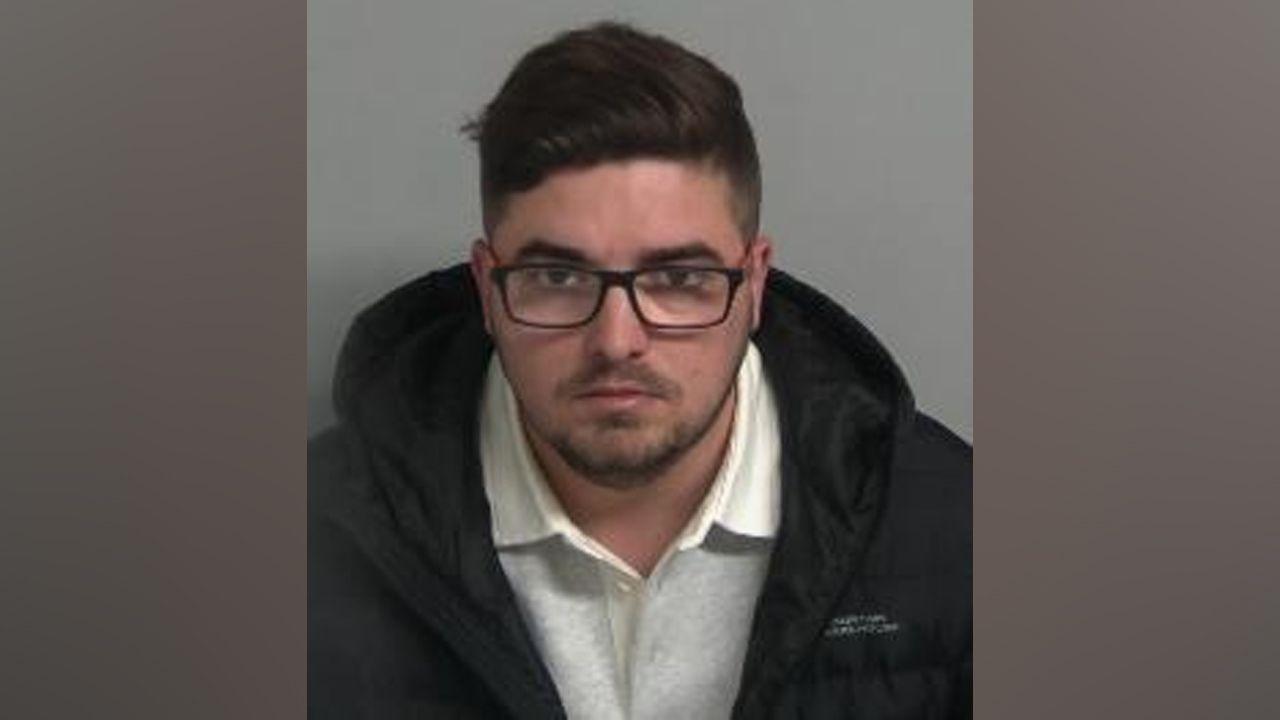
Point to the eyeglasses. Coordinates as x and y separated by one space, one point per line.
677 297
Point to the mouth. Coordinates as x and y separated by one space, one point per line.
615 390
617 397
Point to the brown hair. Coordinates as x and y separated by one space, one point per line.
611 92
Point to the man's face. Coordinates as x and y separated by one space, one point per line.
616 400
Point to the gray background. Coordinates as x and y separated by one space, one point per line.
863 117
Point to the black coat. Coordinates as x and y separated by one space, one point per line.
866 610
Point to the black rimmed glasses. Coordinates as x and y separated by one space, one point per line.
675 297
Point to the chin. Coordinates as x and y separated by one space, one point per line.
620 456
621 442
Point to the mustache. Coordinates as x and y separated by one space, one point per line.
610 374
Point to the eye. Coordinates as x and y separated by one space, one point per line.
557 277
679 278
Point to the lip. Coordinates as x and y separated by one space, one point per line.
610 391
617 397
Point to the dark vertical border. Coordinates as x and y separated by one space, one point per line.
152 493
1127 169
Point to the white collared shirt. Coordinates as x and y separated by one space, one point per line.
617 644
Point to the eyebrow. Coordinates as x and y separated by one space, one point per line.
694 250
542 249
539 249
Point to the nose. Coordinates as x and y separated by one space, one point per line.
617 333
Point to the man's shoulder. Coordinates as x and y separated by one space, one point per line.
929 513
325 449
334 480
929 447
933 471
327 458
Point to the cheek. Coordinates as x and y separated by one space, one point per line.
709 366
534 364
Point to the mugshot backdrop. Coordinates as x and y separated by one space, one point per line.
862 112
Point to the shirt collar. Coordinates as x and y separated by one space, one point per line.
744 498
524 510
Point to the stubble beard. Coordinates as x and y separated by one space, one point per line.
616 451
605 453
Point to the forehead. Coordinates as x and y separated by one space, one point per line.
617 212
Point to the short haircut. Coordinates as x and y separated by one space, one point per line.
610 92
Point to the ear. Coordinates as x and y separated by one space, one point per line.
481 263
758 261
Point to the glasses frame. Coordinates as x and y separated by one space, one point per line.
624 279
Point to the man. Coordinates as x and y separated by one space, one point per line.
616 467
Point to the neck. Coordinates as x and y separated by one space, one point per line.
639 523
